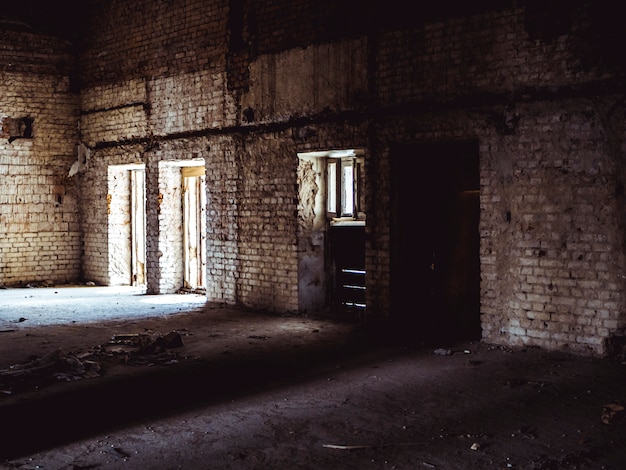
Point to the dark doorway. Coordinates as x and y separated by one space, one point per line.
435 241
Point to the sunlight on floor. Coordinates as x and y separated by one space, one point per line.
24 307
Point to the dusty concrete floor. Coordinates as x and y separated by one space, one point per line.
251 390
80 304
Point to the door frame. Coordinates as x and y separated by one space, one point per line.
194 227
138 226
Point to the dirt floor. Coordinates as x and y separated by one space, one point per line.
229 388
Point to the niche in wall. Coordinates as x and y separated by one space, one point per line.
16 128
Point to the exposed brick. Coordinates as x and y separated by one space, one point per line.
245 91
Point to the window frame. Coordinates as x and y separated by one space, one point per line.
341 183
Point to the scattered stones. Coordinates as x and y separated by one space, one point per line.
144 349
55 366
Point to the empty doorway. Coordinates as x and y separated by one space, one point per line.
182 226
435 241
331 232
194 222
138 226
126 210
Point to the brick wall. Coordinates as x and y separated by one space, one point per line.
40 233
550 148
248 85
553 250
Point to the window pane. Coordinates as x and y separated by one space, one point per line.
347 188
331 187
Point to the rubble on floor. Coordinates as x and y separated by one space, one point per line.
136 349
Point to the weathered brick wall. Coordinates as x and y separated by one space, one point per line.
171 235
40 234
223 187
248 85
553 251
549 120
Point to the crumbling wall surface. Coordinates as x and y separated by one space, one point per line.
517 52
40 234
312 277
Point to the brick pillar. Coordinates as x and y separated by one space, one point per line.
153 200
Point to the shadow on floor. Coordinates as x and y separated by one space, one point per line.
66 412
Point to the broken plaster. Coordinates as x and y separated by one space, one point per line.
82 160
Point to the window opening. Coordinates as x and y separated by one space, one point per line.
343 178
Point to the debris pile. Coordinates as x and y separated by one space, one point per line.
38 372
142 349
